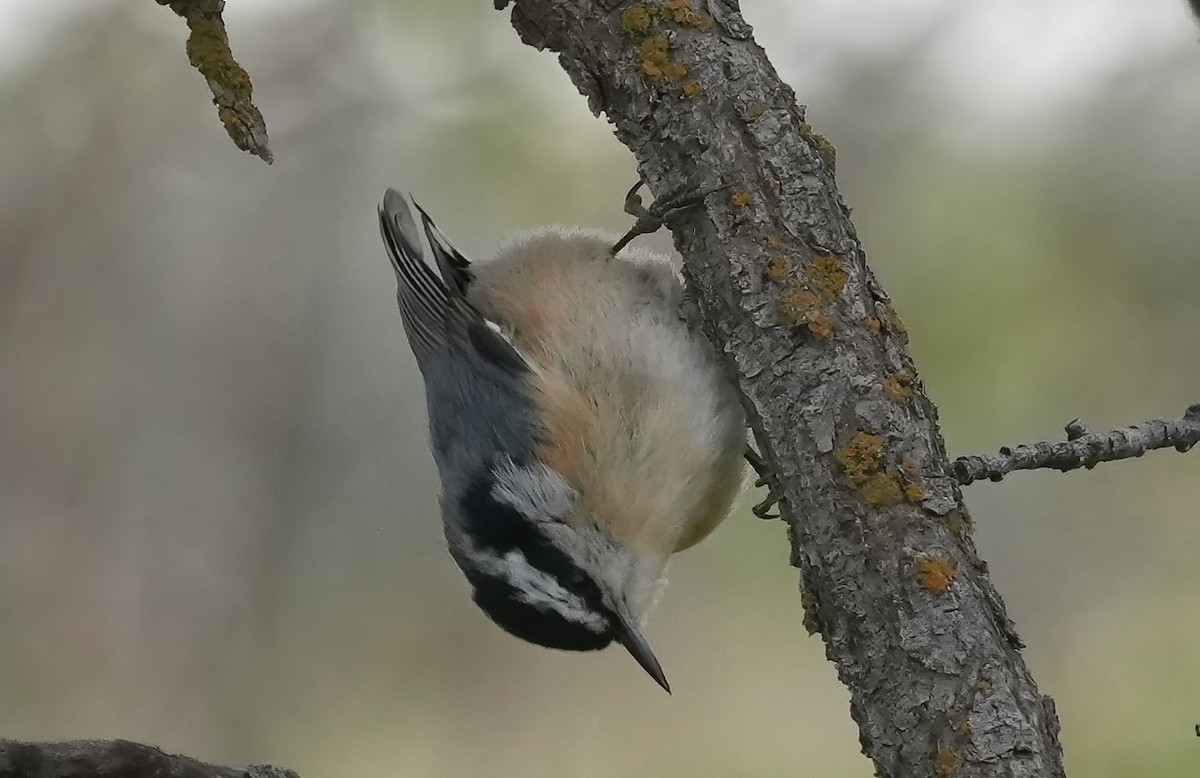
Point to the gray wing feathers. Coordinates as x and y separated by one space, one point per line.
437 314
453 266
421 296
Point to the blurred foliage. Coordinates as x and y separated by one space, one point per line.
218 523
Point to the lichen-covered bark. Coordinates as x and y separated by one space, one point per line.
878 529
233 94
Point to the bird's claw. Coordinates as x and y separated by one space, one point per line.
763 509
651 219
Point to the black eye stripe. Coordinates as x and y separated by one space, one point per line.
497 527
489 523
500 602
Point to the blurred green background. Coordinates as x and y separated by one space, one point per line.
218 524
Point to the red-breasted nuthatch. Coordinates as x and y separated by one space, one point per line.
582 431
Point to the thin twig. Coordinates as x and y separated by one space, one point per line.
1083 448
208 51
114 759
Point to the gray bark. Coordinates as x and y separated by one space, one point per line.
113 759
878 528
1084 448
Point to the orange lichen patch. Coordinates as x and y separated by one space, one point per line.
897 387
820 325
656 59
774 242
693 89
946 763
861 457
777 268
683 13
882 489
874 325
739 197
797 306
636 19
936 573
827 275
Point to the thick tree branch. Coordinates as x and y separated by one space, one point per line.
113 759
208 51
1083 448
878 528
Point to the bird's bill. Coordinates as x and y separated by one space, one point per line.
629 636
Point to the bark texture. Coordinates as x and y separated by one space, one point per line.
233 94
113 759
877 525
1084 448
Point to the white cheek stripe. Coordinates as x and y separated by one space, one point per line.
535 587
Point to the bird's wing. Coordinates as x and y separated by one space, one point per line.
454 267
437 315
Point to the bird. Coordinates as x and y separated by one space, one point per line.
582 431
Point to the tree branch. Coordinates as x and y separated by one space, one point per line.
878 529
208 51
1083 448
113 759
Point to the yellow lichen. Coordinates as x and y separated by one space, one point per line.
897 387
656 59
755 110
882 489
914 493
692 89
860 457
777 268
739 197
936 573
636 19
824 148
796 307
683 13
827 275
827 151
946 763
